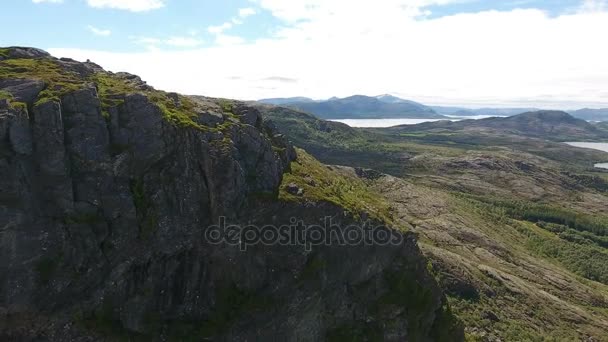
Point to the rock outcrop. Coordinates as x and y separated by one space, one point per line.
108 188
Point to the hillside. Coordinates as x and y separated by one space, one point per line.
110 198
513 224
591 114
361 107
549 125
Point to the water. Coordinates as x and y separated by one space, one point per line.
602 166
591 145
594 146
380 123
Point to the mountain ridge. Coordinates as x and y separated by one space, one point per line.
110 189
441 111
361 107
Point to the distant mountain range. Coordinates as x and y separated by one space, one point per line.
359 107
389 106
460 111
549 125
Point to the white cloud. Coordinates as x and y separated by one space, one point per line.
219 28
594 6
339 47
129 5
237 20
226 39
47 1
183 41
154 44
246 12
99 32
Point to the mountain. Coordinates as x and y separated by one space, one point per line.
460 111
585 113
283 101
513 224
119 205
550 125
363 107
591 114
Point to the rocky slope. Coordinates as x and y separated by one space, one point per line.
109 187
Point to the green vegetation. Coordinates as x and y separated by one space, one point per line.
5 95
4 52
112 88
58 82
321 183
147 217
575 240
180 112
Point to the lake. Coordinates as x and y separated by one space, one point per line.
594 146
380 123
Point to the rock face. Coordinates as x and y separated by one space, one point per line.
104 210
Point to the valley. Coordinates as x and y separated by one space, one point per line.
513 221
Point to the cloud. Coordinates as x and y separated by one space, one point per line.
154 44
219 28
279 79
47 1
183 41
129 5
492 57
246 12
594 6
226 39
99 32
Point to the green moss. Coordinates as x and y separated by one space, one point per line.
226 105
4 52
146 216
320 183
5 95
58 81
181 113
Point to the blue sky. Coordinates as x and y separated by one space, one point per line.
82 24
466 52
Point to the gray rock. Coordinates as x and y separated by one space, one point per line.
23 90
104 220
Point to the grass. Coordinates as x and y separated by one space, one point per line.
320 183
111 88
5 95
575 240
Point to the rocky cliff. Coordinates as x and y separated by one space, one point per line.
109 187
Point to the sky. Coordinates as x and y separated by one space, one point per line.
472 53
